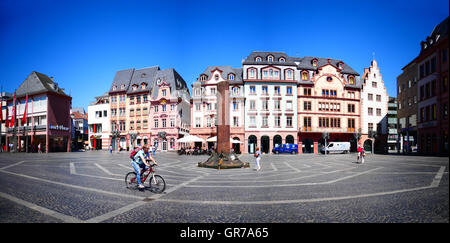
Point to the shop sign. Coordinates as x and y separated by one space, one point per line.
58 127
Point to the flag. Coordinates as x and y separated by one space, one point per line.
24 118
6 121
13 118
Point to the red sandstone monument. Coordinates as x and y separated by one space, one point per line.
222 158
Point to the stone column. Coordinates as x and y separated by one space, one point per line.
223 117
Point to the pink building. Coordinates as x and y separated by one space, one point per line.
148 106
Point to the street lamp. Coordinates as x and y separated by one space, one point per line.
325 135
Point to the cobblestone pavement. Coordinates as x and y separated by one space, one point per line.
89 187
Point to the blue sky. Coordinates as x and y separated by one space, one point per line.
82 44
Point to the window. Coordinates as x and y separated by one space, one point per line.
445 84
370 96
444 55
258 59
164 92
433 112
198 107
277 121
351 125
270 58
307 105
264 90
351 80
378 112
370 127
265 105
236 121
163 122
270 73
314 62
370 111
281 59
145 124
264 121
307 91
252 90
289 74
307 123
252 121
277 105
422 71
172 107
351 108
197 122
289 90
164 108
444 111
197 92
230 76
289 105
433 64
277 90
213 91
236 90
216 77
235 106
156 108
304 75
329 79
378 97
265 74
252 73
252 105
289 121
374 84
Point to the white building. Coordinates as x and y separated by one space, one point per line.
270 89
99 123
374 105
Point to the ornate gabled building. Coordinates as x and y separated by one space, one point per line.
141 114
374 110
204 105
329 93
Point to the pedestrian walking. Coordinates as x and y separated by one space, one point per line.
363 154
39 149
258 159
358 153
110 149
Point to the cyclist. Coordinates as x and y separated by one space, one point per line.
140 163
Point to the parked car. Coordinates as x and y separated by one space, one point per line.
286 148
337 147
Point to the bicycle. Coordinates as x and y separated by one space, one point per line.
156 182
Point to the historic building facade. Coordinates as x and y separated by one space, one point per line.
433 97
270 88
47 120
99 123
374 110
204 105
148 106
329 93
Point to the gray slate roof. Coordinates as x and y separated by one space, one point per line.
37 83
130 77
225 71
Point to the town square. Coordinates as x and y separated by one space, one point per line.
210 120
89 187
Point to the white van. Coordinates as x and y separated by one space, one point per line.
337 147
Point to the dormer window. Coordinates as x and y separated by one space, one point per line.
314 62
305 75
230 76
122 86
216 77
258 59
203 77
143 86
341 65
270 58
134 87
351 80
114 87
281 59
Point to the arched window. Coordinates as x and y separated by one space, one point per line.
270 58
351 80
143 86
281 59
305 75
329 79
114 87
258 59
230 76
314 62
203 77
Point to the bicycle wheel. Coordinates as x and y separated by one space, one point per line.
131 180
157 185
